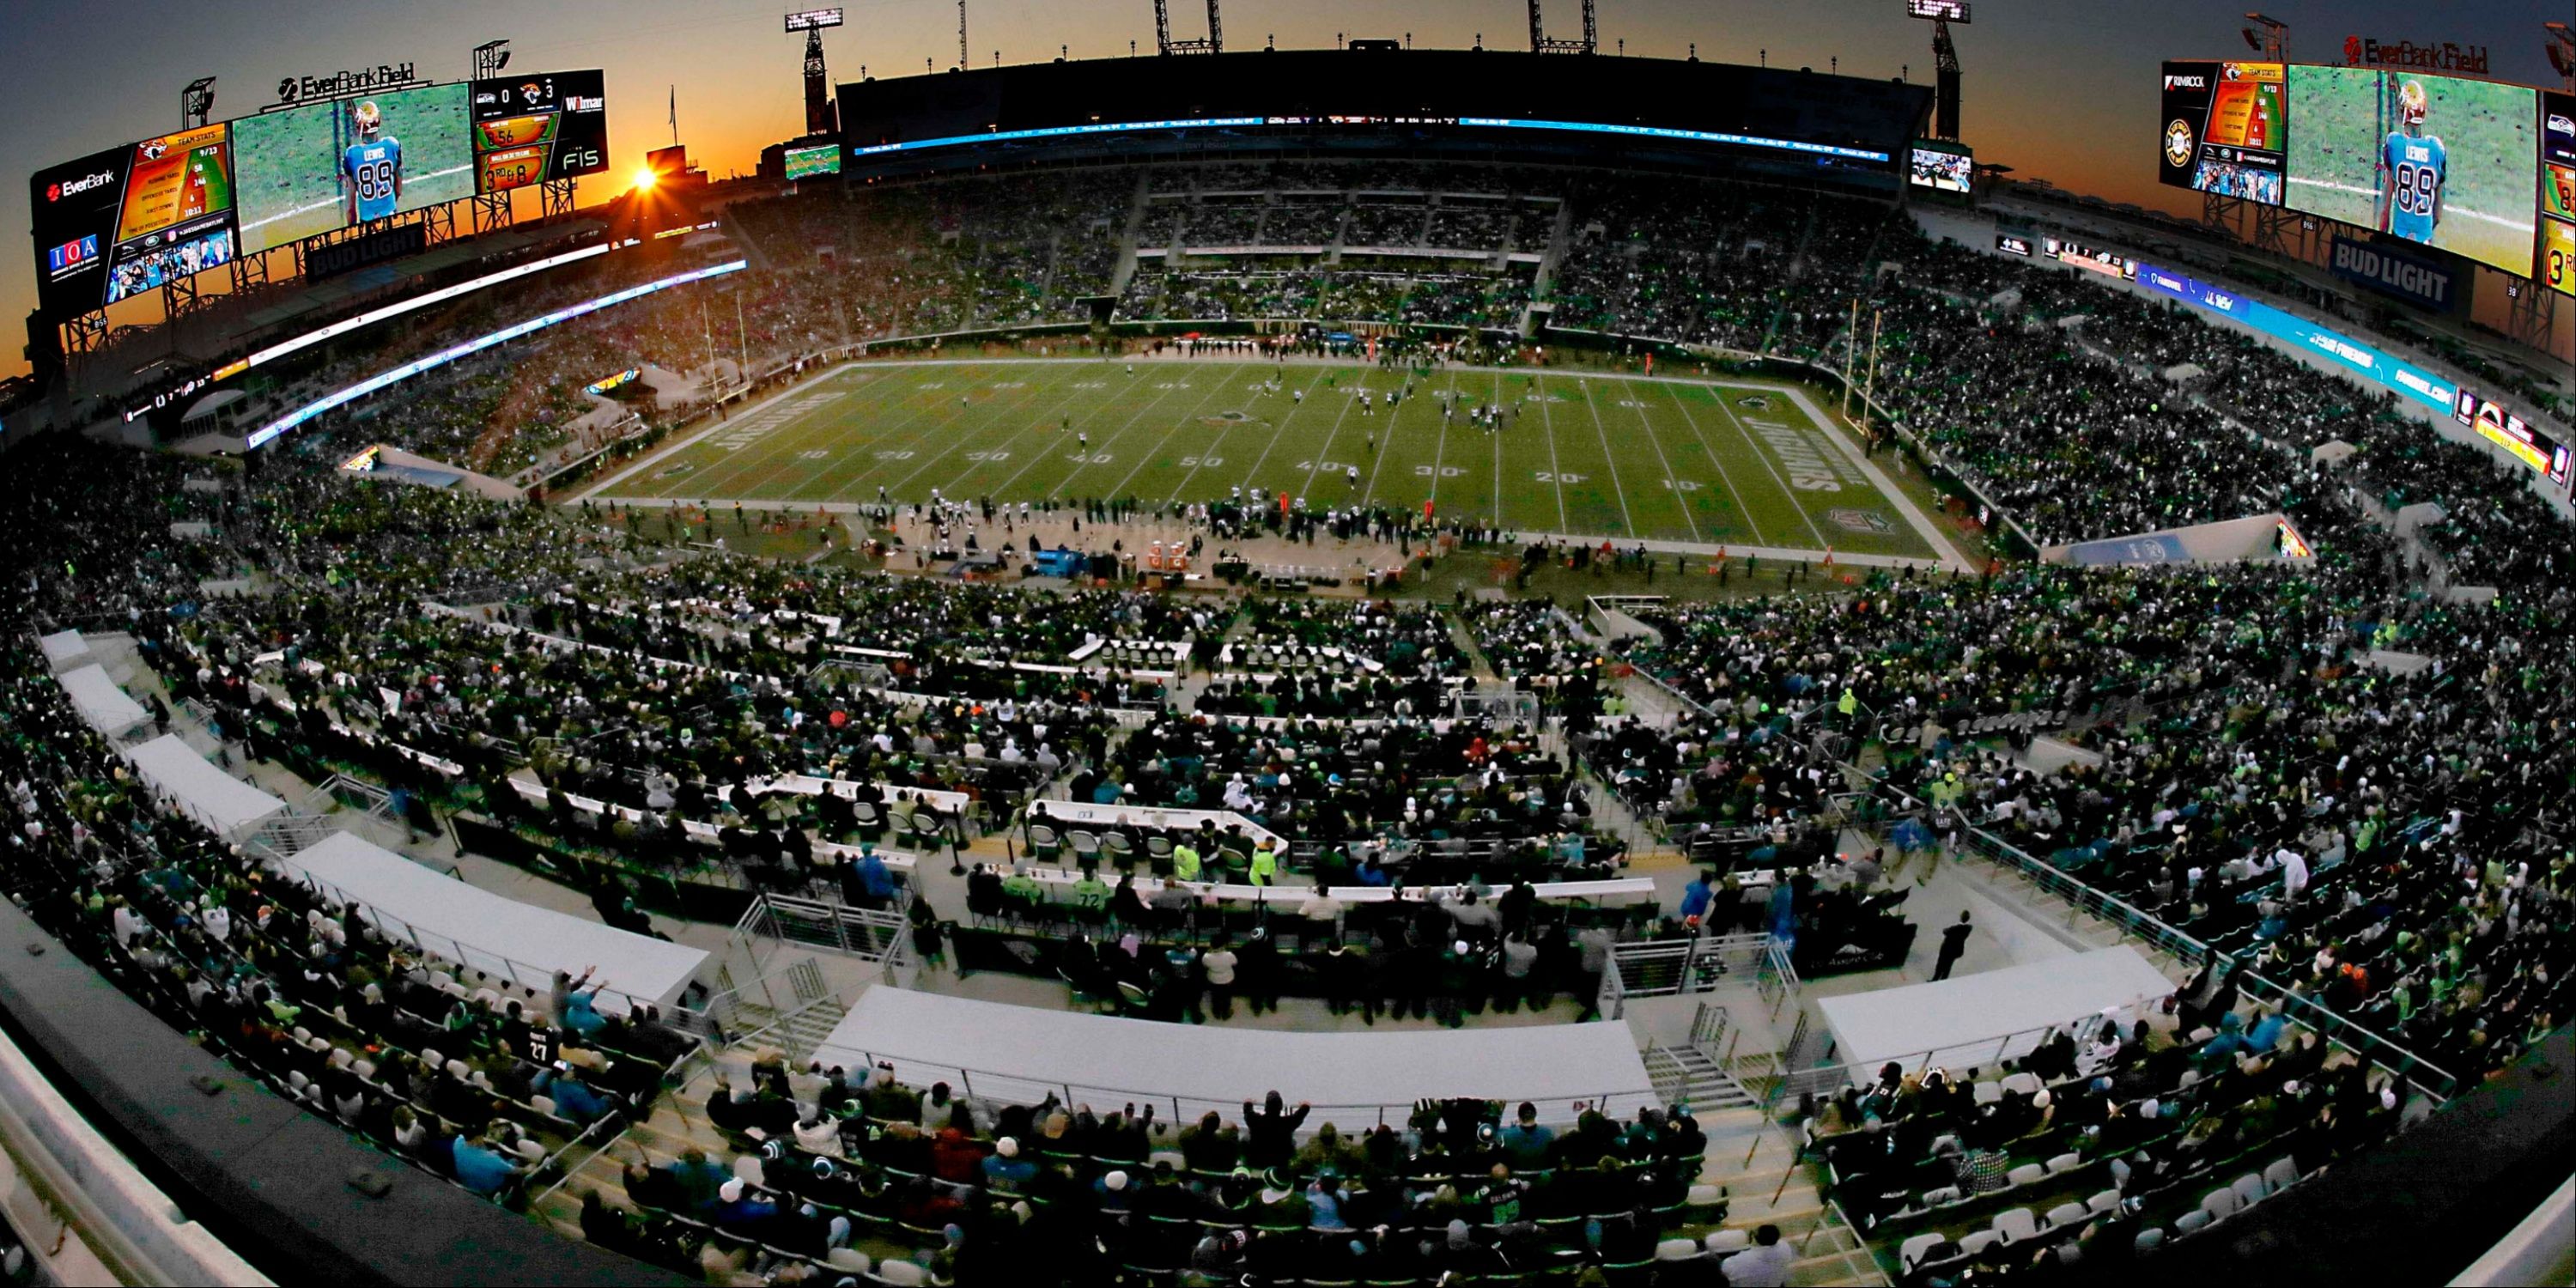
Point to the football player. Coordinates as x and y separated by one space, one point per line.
2412 166
372 166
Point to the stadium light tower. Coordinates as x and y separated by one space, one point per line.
490 57
1945 60
1214 43
818 89
2273 42
1542 43
196 102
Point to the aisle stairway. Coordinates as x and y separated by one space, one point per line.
1692 1077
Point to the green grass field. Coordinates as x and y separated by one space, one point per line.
1664 460
2337 123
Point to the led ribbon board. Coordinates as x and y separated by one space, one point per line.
394 376
1489 122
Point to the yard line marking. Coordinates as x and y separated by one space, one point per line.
1035 457
1232 372
2373 193
341 198
1556 468
1281 431
670 451
1277 427
1070 394
1672 481
1325 452
725 472
1722 475
845 451
1585 388
1065 424
1063 484
1439 456
1762 453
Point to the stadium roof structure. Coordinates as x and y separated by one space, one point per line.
1590 104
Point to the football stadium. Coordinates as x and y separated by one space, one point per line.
1300 663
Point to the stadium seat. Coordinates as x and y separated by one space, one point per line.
2061 1164
2026 1174
2068 1215
1677 1250
2016 1224
2250 1190
2281 1175
1977 1241
1911 1251
2192 1222
1729 1240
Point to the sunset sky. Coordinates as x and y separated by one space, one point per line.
2058 89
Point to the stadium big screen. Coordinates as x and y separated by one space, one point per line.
2225 126
1942 167
320 167
126 220
2558 192
532 129
814 162
2440 160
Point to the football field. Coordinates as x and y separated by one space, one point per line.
1581 454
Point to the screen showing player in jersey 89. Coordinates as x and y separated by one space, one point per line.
325 166
2447 162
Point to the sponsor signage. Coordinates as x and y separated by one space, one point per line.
2400 377
340 84
2415 278
2441 56
2013 244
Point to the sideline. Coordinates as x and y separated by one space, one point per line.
1945 554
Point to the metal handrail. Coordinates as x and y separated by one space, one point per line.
2312 1015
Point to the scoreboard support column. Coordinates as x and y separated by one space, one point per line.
555 196
179 297
492 212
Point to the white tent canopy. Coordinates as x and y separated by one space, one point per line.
1966 1021
492 933
195 787
1019 1053
100 702
64 649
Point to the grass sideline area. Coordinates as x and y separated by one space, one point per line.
1584 453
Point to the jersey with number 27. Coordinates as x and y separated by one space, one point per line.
372 169
2416 168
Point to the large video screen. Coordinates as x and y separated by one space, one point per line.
129 220
309 170
1942 167
808 163
2558 191
531 129
2225 126
2447 162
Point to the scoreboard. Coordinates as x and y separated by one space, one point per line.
536 128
